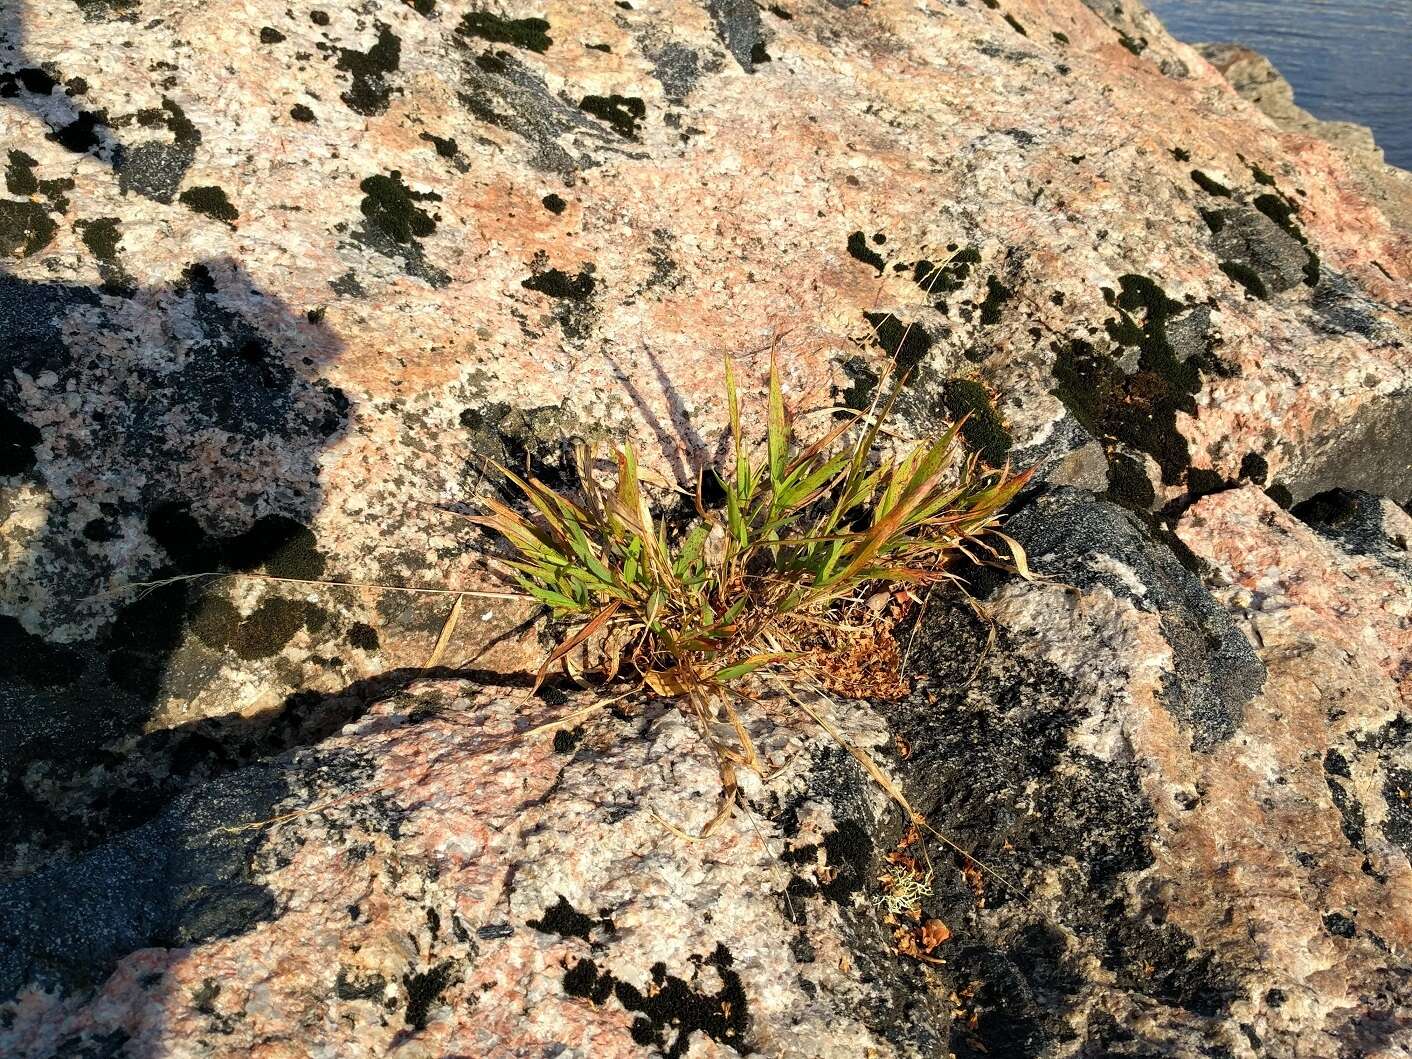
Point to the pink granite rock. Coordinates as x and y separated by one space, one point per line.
275 281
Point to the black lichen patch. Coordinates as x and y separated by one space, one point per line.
1260 175
1015 25
19 174
212 201
30 658
862 380
25 228
270 35
1340 925
524 437
37 81
1210 186
21 179
301 112
573 294
678 69
557 283
502 91
359 987
984 430
993 766
1136 45
281 546
180 879
996 295
1215 669
233 379
670 1007
363 636
1138 406
566 739
391 207
907 344
859 249
444 145
80 135
424 989
553 203
107 10
948 277
347 285
1257 248
623 113
1247 277
1397 796
371 89
1282 211
1353 819
102 235
529 33
565 920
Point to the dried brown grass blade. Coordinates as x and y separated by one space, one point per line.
448 630
594 624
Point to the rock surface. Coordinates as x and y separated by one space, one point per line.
1256 79
275 281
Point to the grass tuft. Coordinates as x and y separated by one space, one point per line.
807 531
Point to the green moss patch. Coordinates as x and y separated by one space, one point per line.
211 201
391 207
1138 408
984 431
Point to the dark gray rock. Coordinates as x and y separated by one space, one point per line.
1216 669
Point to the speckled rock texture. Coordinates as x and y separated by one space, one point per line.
1256 79
276 280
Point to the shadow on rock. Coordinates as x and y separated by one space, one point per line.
148 433
187 867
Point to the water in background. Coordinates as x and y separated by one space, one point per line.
1348 60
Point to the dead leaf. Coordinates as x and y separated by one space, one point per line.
934 932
